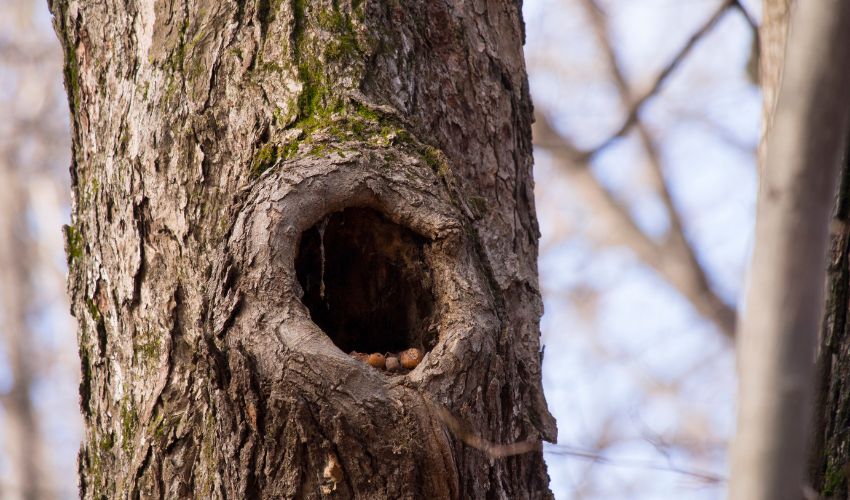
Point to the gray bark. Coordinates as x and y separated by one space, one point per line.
207 138
807 135
829 455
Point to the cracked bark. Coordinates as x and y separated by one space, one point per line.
207 137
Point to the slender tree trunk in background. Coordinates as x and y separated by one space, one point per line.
778 331
20 430
774 402
211 141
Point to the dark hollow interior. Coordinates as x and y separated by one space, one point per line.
366 282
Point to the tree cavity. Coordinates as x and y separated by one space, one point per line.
366 282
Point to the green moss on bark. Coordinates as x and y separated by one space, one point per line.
73 244
147 348
129 421
834 480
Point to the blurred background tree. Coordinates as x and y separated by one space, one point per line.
38 357
647 126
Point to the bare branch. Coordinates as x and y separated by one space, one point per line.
637 104
677 241
672 267
465 433
704 476
747 17
684 271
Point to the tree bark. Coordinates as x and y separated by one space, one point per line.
778 330
215 146
830 451
829 464
773 35
829 455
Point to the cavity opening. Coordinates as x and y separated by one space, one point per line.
366 282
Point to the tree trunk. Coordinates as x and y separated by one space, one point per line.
829 459
20 430
262 187
830 455
779 329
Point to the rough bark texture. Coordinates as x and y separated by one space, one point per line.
208 136
829 467
830 457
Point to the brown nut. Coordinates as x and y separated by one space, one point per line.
410 358
376 360
392 364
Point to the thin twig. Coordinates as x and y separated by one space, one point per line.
705 476
470 438
747 17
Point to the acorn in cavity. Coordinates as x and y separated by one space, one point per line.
410 358
376 360
392 362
